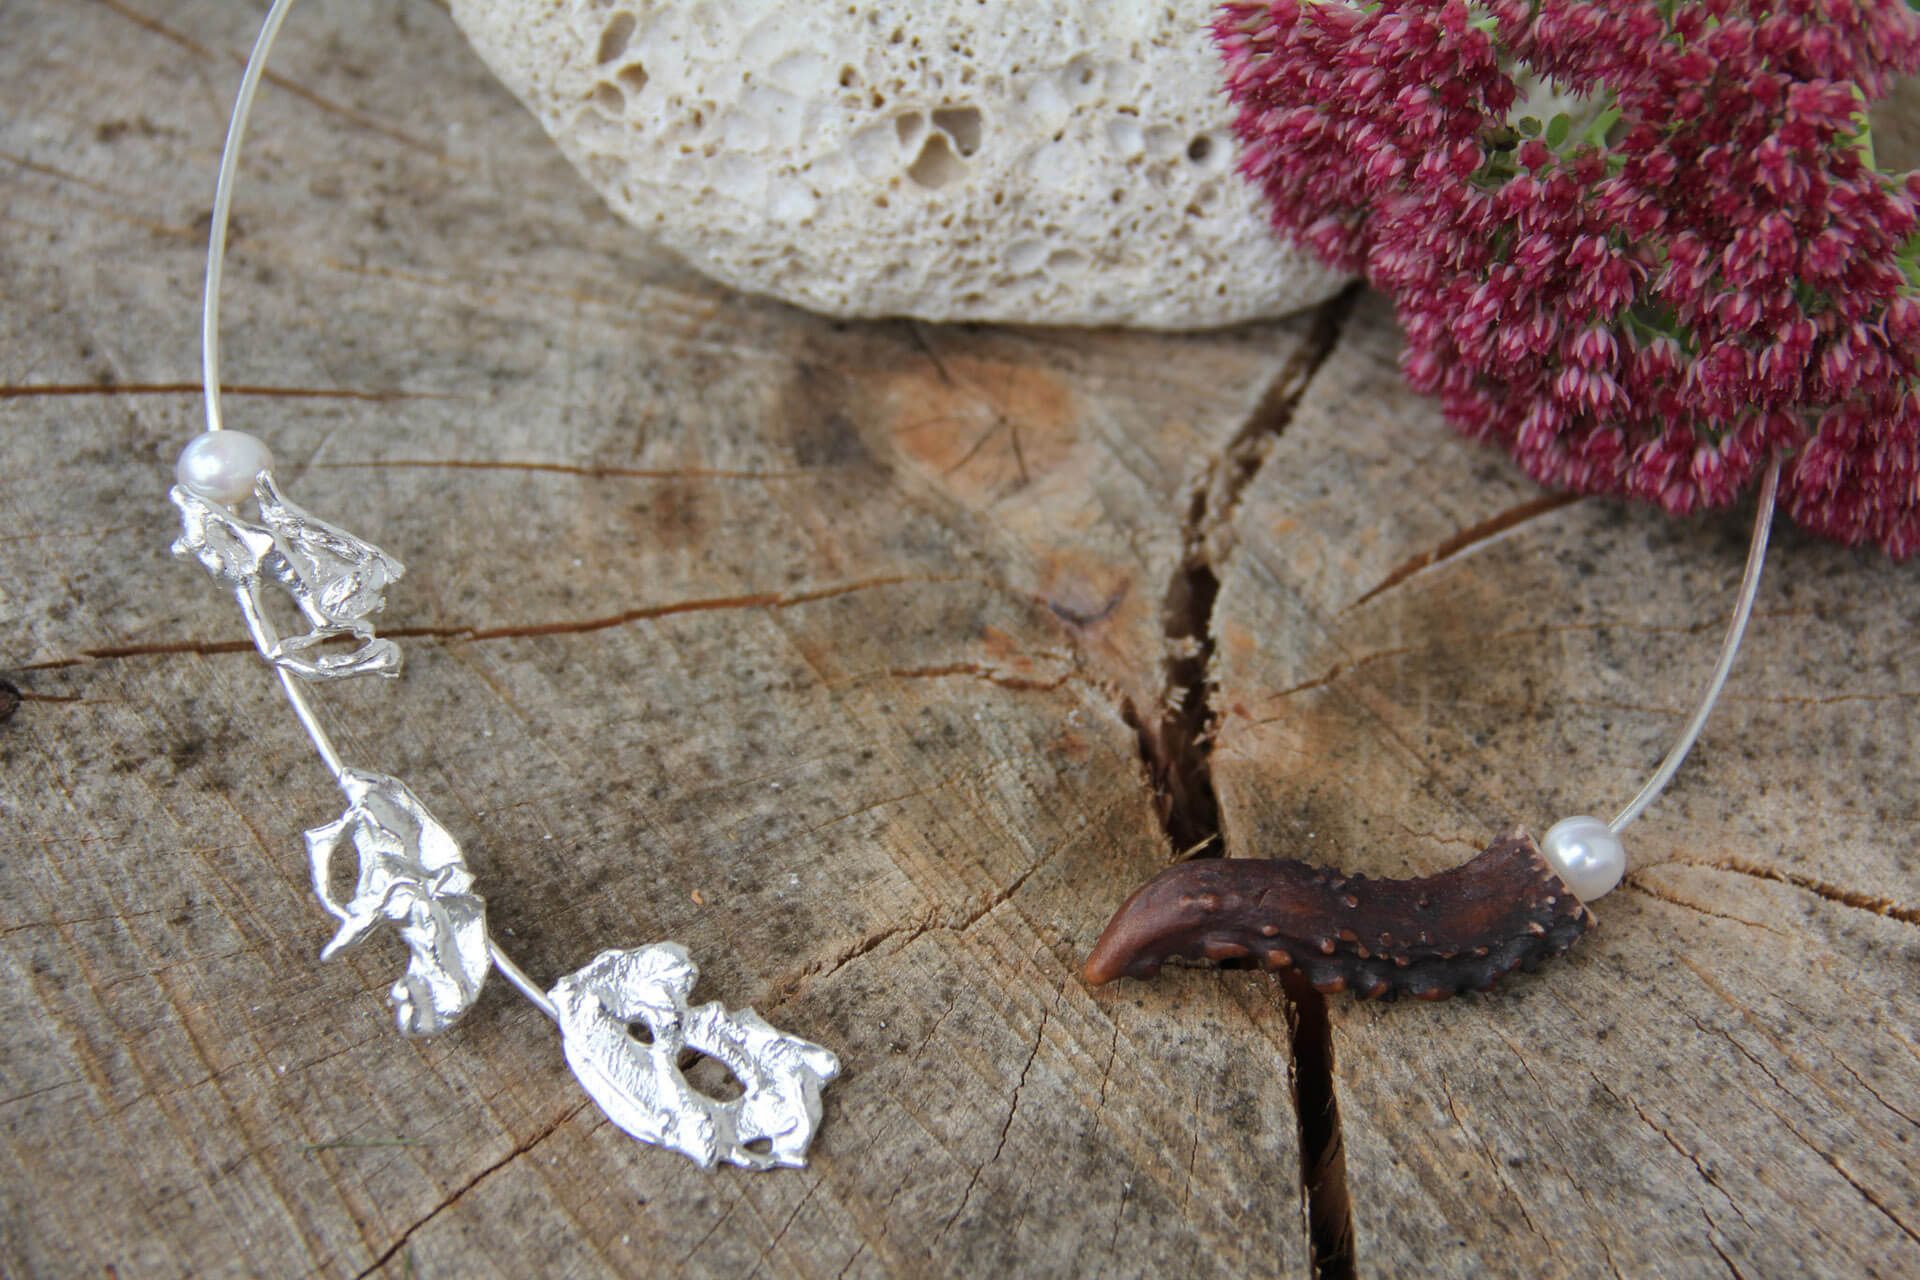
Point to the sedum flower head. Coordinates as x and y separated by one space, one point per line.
1683 263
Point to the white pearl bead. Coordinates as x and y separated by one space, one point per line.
221 465
1586 854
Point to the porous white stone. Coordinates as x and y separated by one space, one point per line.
1046 161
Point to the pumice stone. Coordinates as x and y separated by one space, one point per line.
1034 161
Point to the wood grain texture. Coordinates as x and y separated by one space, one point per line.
829 650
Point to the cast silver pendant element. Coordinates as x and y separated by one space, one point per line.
411 878
333 578
637 1079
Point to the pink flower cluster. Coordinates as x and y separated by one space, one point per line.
1694 269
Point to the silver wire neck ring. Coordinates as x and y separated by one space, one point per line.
223 208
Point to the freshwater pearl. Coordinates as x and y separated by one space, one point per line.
1586 854
221 465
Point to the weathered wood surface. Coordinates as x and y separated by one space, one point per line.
822 648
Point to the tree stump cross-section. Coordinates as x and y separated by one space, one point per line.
876 663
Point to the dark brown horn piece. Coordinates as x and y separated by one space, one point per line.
1431 938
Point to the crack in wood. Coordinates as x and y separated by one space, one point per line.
916 928
74 179
1176 740
1865 1192
1013 1110
791 985
1176 737
978 671
400 1241
842 1272
1638 884
158 28
757 600
1468 538
41 1092
1323 1151
1700 1166
1732 1042
710 1232
29 391
1515 1194
766 1253
1732 1270
526 630
593 472
1868 902
358 118
1532 632
1866 1084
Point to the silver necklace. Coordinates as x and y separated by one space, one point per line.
626 1022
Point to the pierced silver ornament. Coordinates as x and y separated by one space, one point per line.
411 876
639 1082
336 580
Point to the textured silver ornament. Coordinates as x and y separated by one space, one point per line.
335 579
639 1083
411 876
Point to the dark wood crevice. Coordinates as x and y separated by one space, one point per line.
1323 1151
1176 747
